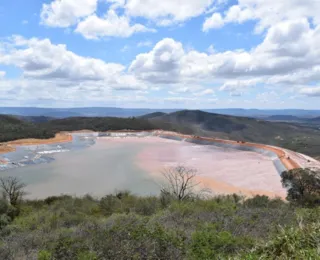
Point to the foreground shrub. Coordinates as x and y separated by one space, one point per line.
291 243
303 186
125 226
207 243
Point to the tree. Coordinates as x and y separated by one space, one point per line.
12 189
180 182
303 186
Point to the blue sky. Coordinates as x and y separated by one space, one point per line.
160 54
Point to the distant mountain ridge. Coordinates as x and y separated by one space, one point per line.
136 112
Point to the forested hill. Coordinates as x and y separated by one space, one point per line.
98 124
291 136
12 128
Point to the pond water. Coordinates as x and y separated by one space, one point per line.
100 166
97 170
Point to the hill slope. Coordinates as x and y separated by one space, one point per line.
12 128
295 137
152 115
285 118
98 124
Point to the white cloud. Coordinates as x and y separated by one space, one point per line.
265 12
211 49
144 44
289 49
215 21
204 92
112 25
52 71
162 64
2 74
83 13
268 97
64 13
166 12
310 91
180 99
182 89
238 87
42 59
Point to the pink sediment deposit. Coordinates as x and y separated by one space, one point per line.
223 171
281 153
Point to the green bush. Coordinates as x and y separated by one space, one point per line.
207 243
292 243
125 226
147 206
44 255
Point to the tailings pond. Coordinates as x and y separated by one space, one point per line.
99 166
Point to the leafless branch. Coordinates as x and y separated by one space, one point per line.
180 182
12 189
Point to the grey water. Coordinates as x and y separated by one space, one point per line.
97 170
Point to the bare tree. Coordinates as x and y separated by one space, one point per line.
180 182
12 189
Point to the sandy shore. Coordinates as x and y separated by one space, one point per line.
10 146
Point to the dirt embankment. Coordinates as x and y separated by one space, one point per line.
10 146
288 162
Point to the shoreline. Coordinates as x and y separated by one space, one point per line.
227 181
10 146
284 155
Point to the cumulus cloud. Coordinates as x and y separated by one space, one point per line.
42 59
162 64
166 12
2 74
215 21
111 25
265 12
238 87
289 48
83 14
64 13
51 71
310 91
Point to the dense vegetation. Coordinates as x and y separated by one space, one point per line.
125 226
12 128
98 124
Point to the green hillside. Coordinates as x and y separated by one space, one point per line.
97 124
12 128
291 136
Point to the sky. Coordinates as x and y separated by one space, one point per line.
160 54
